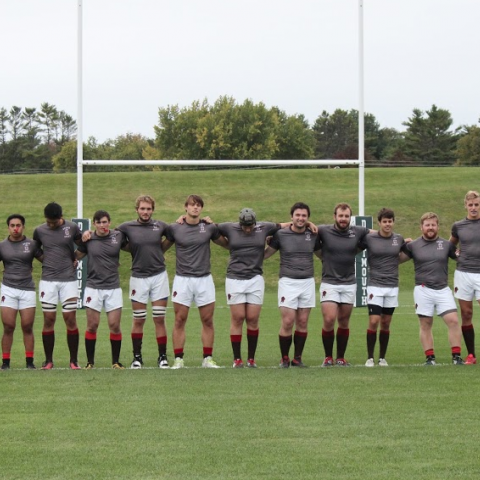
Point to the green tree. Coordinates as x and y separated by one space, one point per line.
228 130
429 139
336 135
48 118
295 139
467 151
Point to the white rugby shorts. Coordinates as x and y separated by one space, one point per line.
150 288
338 293
296 293
16 298
245 291
109 300
385 297
53 292
428 301
466 285
186 290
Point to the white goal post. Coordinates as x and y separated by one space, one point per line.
361 141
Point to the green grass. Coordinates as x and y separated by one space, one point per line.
405 421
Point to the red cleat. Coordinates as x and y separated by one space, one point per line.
470 360
47 365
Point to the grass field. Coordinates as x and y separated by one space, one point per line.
404 421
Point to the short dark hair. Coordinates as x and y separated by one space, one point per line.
99 214
385 213
194 199
300 206
16 215
53 211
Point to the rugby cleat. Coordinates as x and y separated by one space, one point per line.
370 362
208 362
341 362
162 361
118 366
470 360
457 360
47 365
75 366
284 362
297 362
137 362
251 363
237 363
382 362
328 362
178 363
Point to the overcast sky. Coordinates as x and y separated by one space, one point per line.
299 55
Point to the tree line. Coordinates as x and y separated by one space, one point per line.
44 139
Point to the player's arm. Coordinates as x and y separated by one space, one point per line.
222 241
454 240
268 252
166 244
405 254
79 255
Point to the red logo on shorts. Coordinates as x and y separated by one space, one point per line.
174 294
324 293
3 298
370 296
456 289
89 299
282 299
229 296
133 292
42 294
416 306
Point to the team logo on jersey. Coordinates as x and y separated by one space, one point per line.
439 244
26 247
66 232
394 242
156 227
113 238
202 227
308 236
351 234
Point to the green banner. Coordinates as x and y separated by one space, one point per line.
83 225
361 264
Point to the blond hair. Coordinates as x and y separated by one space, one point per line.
428 216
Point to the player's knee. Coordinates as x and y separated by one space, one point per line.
8 329
159 311
49 307
139 315
27 329
69 306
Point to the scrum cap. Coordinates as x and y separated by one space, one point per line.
247 217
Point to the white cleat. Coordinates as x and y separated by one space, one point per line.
209 363
382 362
178 363
370 363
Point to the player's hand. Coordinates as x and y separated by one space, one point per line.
86 236
207 219
180 219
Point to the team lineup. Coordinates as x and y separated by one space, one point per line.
59 244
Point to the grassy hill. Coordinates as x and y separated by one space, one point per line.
404 421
